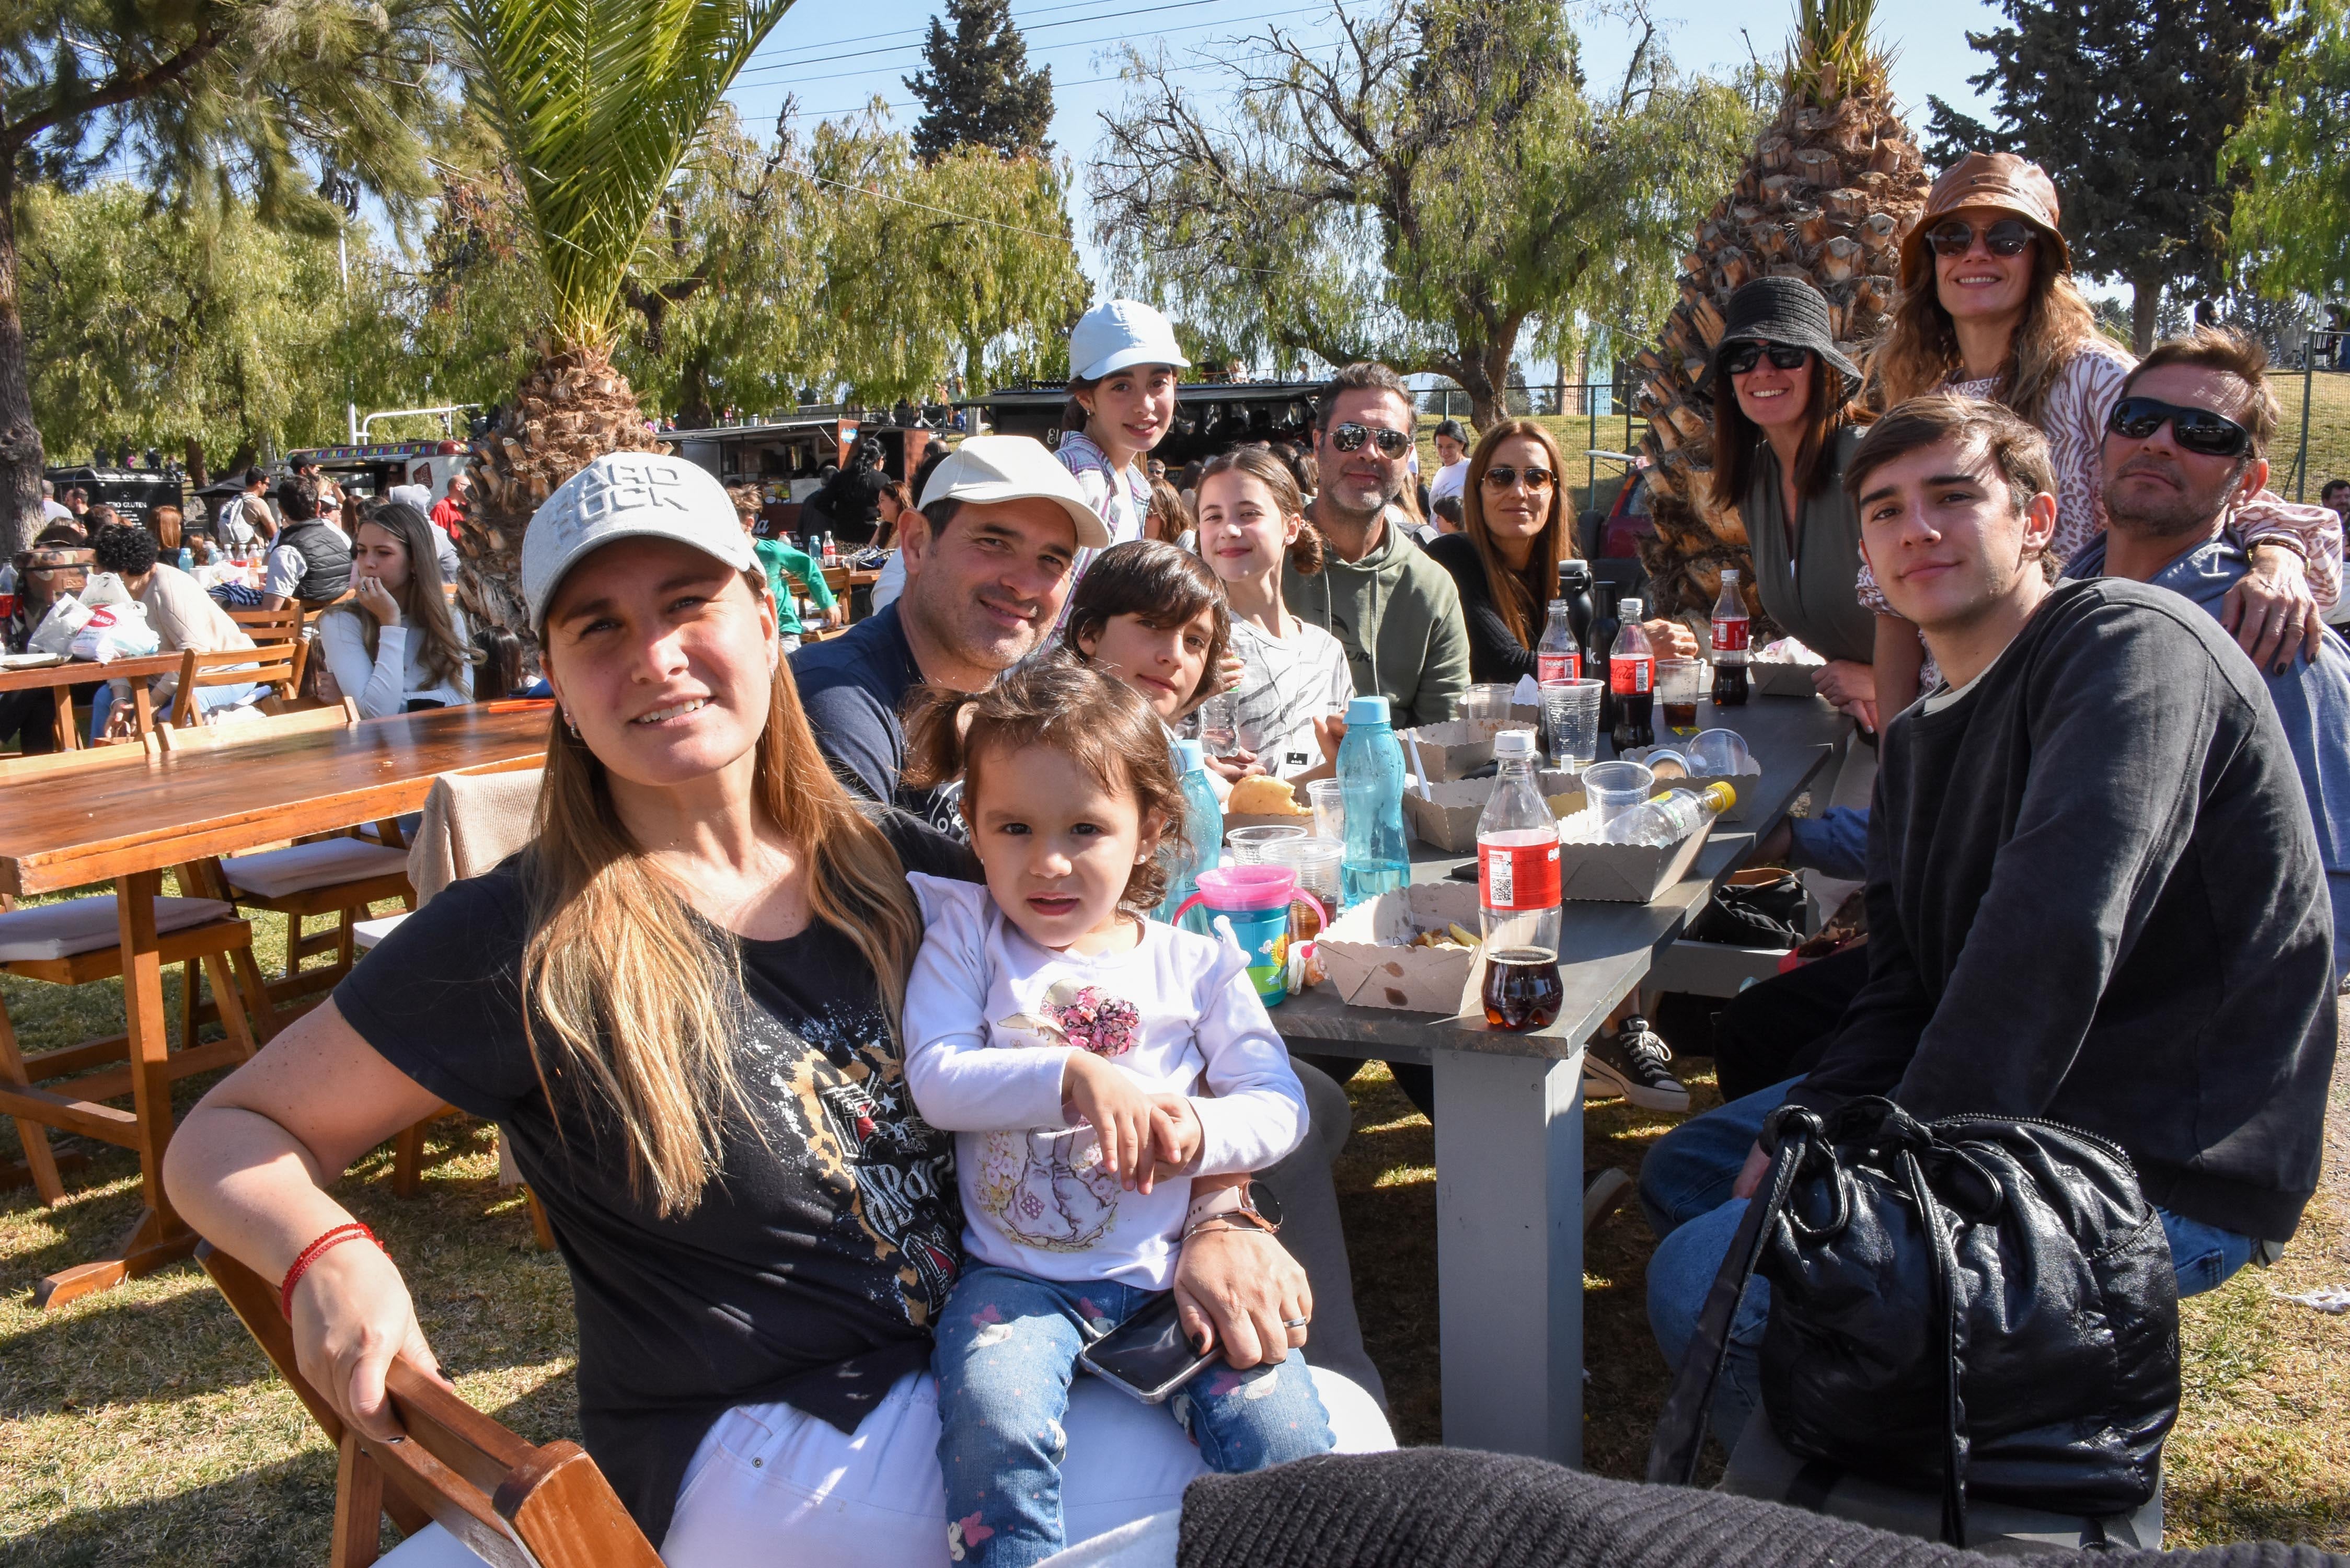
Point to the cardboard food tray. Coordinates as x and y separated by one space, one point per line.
1448 817
1777 678
1741 784
1626 873
1362 956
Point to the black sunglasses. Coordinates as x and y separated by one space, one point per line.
1350 437
2196 429
2006 238
1500 476
1746 356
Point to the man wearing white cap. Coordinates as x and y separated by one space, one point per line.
990 558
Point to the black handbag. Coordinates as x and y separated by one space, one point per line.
1979 1306
1764 911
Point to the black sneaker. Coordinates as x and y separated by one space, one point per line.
1604 1191
1630 1062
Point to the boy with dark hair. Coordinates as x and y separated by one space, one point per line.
2094 892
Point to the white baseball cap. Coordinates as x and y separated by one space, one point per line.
990 468
627 495
1121 332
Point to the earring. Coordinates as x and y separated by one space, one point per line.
570 722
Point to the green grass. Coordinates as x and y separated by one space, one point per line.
2329 431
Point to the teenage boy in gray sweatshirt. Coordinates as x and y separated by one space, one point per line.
2095 893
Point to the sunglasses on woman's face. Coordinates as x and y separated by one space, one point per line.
1350 437
2005 238
2195 430
1746 356
1500 476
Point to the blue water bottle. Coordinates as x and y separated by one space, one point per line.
1370 780
1203 834
187 562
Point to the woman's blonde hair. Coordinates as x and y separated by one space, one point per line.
423 603
1919 353
641 999
1520 597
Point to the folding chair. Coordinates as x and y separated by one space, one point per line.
77 943
337 877
512 1505
272 665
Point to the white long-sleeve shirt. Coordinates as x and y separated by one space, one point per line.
991 1018
396 676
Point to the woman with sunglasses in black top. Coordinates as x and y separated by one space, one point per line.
1783 425
1988 309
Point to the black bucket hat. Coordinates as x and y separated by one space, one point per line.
1785 310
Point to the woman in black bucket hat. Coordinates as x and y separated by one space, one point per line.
1783 425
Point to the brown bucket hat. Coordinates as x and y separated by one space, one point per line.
1998 180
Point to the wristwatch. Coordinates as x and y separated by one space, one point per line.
1251 1203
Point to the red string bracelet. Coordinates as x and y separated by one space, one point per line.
310 1254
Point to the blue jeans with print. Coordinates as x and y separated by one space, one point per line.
1007 1347
1685 1187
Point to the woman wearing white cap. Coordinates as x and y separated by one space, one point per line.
1123 361
679 1004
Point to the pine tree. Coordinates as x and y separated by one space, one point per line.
2128 104
978 90
1831 186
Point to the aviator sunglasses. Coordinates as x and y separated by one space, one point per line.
1350 437
1500 476
2195 430
1746 356
2005 238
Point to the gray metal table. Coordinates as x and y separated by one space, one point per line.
1509 1127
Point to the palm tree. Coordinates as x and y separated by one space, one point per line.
1831 185
598 103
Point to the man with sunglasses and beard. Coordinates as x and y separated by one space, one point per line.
1391 607
2185 447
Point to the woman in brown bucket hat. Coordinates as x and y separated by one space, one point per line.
1988 309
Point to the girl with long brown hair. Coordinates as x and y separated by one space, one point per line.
398 644
1988 309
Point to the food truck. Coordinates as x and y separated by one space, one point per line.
1210 416
367 471
784 457
132 491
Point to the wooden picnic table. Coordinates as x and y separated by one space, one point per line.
129 822
61 678
1509 1112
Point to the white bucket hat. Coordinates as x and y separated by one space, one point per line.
1118 333
991 468
627 495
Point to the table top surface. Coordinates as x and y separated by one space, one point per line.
1604 948
75 671
143 813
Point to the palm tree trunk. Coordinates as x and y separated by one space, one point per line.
2145 299
20 438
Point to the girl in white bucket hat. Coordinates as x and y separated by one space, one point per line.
1123 366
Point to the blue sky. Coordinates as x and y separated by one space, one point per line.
836 57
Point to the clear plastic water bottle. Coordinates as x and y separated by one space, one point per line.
1669 818
1517 854
1370 779
831 551
1204 835
1558 657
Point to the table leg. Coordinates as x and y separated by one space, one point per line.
1509 1215
158 1238
66 740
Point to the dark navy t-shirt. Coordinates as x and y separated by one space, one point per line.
854 688
814 1264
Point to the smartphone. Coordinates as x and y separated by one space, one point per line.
1147 1356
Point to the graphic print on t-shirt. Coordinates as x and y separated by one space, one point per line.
846 1095
1047 1190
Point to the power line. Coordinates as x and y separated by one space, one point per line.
1086 81
1101 14
1094 6
1073 44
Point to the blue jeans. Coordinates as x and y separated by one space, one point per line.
1685 1187
1007 1347
209 699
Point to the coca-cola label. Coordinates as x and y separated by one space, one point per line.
1729 635
1558 665
1631 674
1514 877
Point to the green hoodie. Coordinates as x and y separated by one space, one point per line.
1398 615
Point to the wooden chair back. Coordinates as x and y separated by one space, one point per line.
269 664
512 1503
267 626
268 726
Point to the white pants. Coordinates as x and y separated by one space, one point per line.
771 1484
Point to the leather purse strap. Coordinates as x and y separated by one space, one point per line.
1942 1266
1681 1427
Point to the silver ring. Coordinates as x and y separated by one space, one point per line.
1295 1321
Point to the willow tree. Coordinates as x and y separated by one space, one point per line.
1437 187
597 105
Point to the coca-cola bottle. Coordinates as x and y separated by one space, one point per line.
1632 677
1517 891
1557 657
1730 631
1597 645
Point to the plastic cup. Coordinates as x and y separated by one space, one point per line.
1571 721
1487 702
1329 799
1718 754
1611 789
1247 846
1680 683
